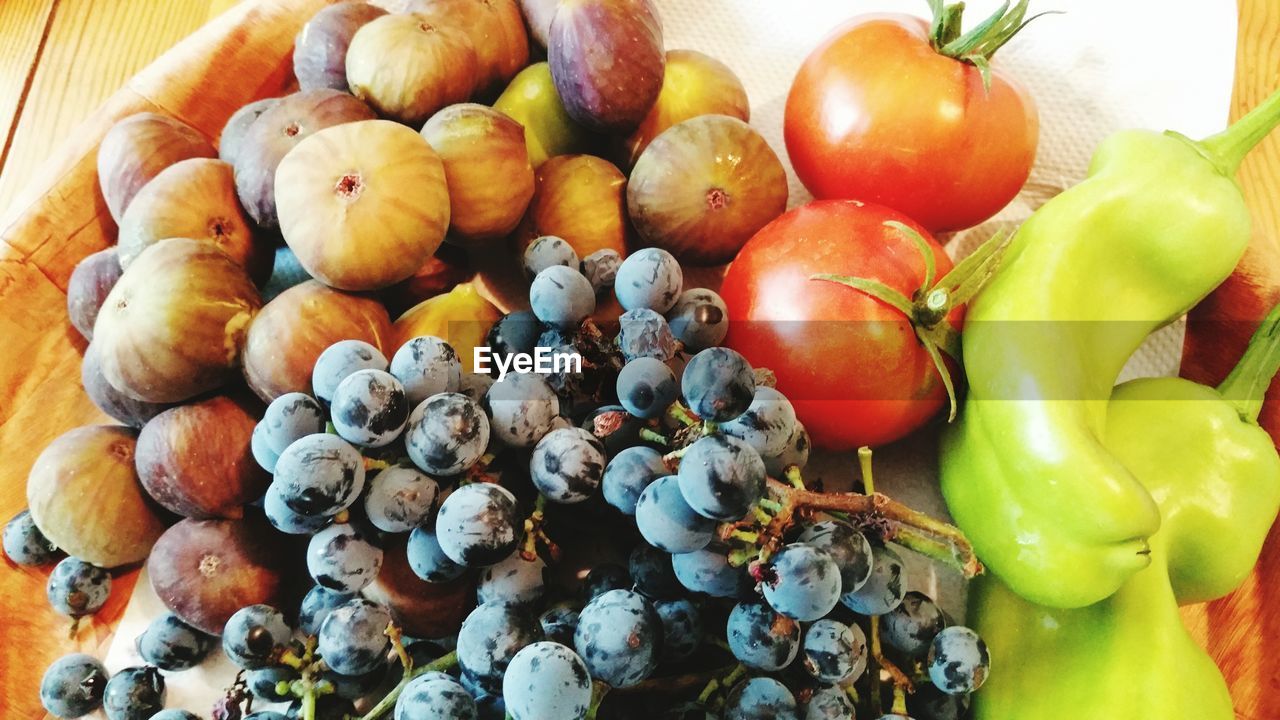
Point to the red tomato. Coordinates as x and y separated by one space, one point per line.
876 114
851 364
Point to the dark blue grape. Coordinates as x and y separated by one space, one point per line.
490 636
603 578
643 333
286 272
521 409
567 465
601 268
284 519
649 278
477 524
681 628
829 703
560 621
344 557
802 582
77 588
721 477
834 652
562 297
134 693
547 680
767 424
255 636
72 686
647 387
883 591
447 434
958 661
265 715
761 698
512 581
795 452
652 572
909 630
848 547
708 571
175 715
930 703
316 606
760 638
515 333
290 417
490 707
264 683
628 474
427 560
25 544
320 475
328 707
400 499
340 360
426 366
699 319
261 449
718 384
355 687
476 385
370 408
619 637
423 651
435 696
353 638
667 522
171 644
548 251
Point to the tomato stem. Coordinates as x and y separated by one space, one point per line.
977 46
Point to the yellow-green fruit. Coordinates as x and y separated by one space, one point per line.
531 100
407 67
362 205
580 198
461 316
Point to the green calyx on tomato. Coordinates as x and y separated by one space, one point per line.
981 42
928 307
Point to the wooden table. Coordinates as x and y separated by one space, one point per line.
59 59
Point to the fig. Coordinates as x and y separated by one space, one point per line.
694 84
195 460
237 127
131 412
409 66
320 50
496 30
137 148
205 570
607 61
579 198
90 282
531 100
84 496
420 608
538 15
486 167
704 187
173 326
363 205
461 317
448 267
293 329
193 199
277 131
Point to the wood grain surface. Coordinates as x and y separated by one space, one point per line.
61 59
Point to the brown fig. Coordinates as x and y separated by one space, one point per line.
294 328
420 608
85 497
237 127
320 50
580 198
137 148
195 459
206 570
486 166
275 133
92 279
448 267
496 30
363 205
131 412
407 66
173 326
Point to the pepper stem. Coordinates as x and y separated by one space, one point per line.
1228 148
1247 384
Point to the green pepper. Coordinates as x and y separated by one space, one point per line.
1157 224
1215 475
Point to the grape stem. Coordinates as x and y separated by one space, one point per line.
397 644
674 685
534 533
717 684
682 414
900 679
387 703
598 691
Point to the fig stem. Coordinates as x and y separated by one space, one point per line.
387 703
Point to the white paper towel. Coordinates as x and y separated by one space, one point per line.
1103 65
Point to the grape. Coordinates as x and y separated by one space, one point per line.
447 434
834 652
802 582
562 297
760 638
688 711
490 707
848 547
171 644
284 519
355 687
353 638
560 621
340 360
718 384
344 558
265 715
134 693
644 333
601 268
721 477
546 680
795 452
72 686
616 428
515 332
427 560
883 591
618 638
767 424
760 699
521 407
681 628
667 522
708 571
652 572
262 452
909 630
316 606
603 578
649 278
958 661
647 387
400 499
699 319
512 581
490 636
255 636
476 525
930 703
25 544
320 474
290 417
548 251
370 408
328 707
475 385
567 465
829 703
175 715
77 588
628 474
435 696
264 682
426 366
